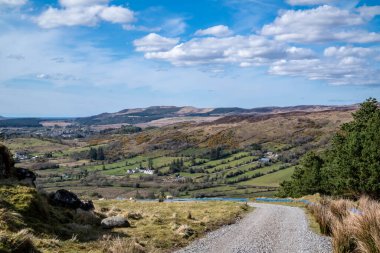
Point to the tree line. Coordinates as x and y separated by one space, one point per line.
350 167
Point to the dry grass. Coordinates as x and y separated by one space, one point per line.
354 226
162 227
29 224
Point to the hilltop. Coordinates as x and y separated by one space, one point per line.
158 114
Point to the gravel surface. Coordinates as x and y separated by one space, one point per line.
269 228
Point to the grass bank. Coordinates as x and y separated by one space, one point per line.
161 227
28 223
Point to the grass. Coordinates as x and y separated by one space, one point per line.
34 146
160 228
354 226
29 224
272 179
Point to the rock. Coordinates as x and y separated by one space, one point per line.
185 231
135 216
6 162
25 176
115 222
68 199
87 205
86 217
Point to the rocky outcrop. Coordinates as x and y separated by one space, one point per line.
67 199
115 222
7 169
6 162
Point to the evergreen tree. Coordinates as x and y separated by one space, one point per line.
351 166
150 163
93 154
100 154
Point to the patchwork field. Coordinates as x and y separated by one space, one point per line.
234 156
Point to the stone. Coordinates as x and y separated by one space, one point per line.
115 222
135 216
185 231
68 199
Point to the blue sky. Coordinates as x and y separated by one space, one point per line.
83 57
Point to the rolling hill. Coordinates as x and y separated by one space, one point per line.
154 113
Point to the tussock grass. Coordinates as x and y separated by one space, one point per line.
29 224
354 226
161 227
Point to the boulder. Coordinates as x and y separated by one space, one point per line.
26 176
115 222
68 199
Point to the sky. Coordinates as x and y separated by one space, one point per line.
84 57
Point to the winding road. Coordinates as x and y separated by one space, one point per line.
269 228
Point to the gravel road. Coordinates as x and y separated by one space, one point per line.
269 228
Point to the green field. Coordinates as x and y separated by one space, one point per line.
273 179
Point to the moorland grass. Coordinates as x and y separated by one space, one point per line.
354 226
158 228
29 224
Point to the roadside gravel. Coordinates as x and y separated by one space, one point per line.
269 228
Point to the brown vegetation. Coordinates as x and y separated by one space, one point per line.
354 226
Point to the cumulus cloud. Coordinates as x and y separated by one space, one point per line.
154 42
217 31
309 2
242 50
116 14
13 3
369 12
350 51
338 66
85 13
322 24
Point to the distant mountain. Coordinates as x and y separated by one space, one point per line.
144 115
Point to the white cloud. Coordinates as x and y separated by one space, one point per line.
85 13
340 66
141 28
309 2
217 31
174 26
154 42
53 17
242 50
77 3
116 14
321 24
350 51
369 12
13 3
